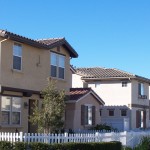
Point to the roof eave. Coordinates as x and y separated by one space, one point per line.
108 78
143 79
63 42
15 37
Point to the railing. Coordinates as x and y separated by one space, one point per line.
130 139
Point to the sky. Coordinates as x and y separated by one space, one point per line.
105 33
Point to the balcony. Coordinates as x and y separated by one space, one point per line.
142 96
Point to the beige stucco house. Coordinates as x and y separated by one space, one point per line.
118 87
25 66
82 109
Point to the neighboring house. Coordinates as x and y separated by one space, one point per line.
118 87
117 117
25 66
82 109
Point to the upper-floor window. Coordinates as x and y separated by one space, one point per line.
124 83
141 89
57 65
123 112
97 85
100 112
111 112
11 110
17 56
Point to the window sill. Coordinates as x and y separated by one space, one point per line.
17 71
10 126
55 78
88 125
142 97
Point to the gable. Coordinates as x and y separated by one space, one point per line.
89 99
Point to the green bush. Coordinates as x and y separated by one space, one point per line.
144 144
20 146
103 127
76 146
62 146
40 146
4 145
126 148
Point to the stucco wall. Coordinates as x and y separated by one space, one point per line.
76 81
112 92
135 99
74 113
32 76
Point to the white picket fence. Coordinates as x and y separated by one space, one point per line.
130 139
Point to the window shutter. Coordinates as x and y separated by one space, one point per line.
86 115
93 115
138 119
144 119
82 114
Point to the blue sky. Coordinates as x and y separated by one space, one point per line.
105 33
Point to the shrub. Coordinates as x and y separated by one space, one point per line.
4 145
62 146
21 146
40 146
126 148
88 146
144 144
103 127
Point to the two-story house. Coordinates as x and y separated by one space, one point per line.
118 87
25 66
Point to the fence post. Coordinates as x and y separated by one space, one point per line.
66 137
21 136
97 137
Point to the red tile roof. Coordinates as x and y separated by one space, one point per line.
51 43
50 40
44 44
22 39
77 93
107 73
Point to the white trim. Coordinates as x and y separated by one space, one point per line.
57 65
11 111
15 44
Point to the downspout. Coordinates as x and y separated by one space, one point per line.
1 62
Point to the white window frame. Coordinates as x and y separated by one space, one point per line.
57 64
11 111
112 111
124 83
17 45
121 112
141 92
90 117
97 85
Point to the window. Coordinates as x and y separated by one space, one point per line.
17 56
57 65
111 112
97 85
11 110
100 112
124 83
123 112
141 89
87 115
